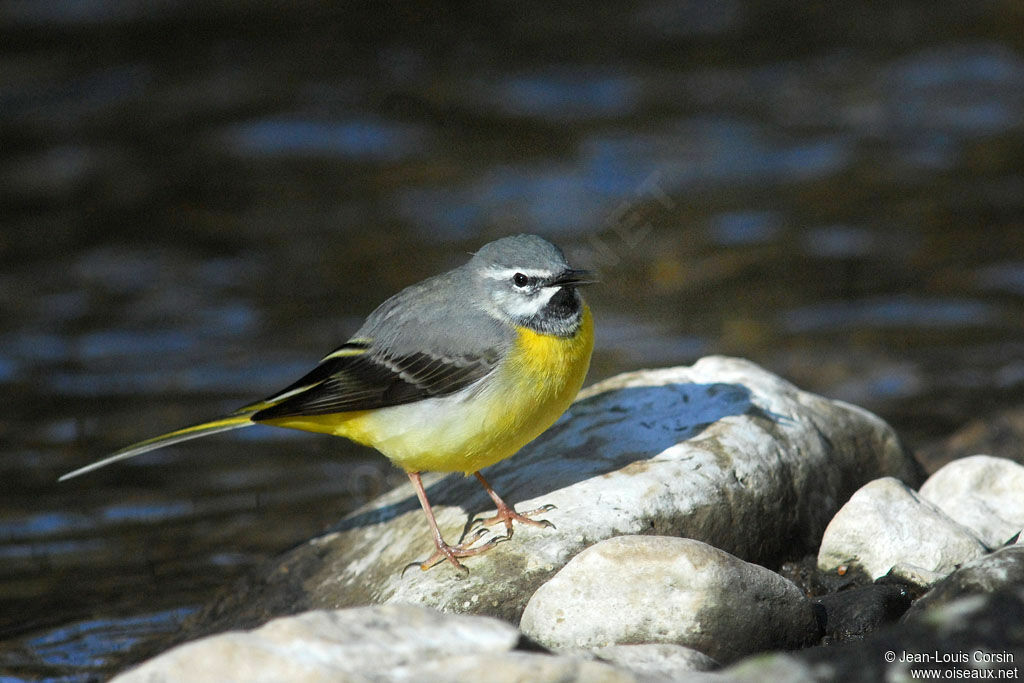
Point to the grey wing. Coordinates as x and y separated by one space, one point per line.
397 357
371 380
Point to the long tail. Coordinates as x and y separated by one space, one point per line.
243 417
223 424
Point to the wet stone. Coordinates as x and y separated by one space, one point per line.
973 635
854 613
1004 567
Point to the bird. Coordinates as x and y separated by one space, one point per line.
451 374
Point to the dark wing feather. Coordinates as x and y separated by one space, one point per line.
372 380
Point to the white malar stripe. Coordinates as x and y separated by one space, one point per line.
507 273
529 307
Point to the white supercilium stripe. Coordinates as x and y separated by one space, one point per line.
507 273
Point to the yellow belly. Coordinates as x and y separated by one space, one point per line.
479 426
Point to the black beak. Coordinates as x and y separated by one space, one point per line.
572 277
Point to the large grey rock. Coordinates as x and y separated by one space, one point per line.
362 643
722 451
886 523
652 589
983 493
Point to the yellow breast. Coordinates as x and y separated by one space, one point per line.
535 385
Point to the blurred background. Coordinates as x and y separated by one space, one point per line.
199 200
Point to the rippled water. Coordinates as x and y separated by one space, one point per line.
197 202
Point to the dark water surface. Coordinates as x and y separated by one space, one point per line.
198 201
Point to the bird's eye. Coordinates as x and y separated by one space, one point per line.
520 280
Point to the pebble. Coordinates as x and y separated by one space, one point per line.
655 589
983 493
885 523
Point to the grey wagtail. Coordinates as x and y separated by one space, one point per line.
449 375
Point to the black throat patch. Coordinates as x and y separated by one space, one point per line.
561 316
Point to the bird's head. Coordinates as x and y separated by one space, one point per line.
526 281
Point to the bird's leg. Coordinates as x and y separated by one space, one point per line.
444 551
506 513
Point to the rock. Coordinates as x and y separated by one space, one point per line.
975 637
913 575
509 667
651 589
659 660
775 667
983 493
722 451
886 523
854 613
1004 567
333 645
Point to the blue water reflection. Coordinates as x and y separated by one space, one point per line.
557 199
891 312
745 227
965 90
357 139
721 150
43 524
550 199
838 241
50 551
892 381
8 369
564 95
103 344
90 643
1008 277
142 512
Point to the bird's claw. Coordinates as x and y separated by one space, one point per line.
475 536
453 552
507 515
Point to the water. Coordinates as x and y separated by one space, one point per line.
198 202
